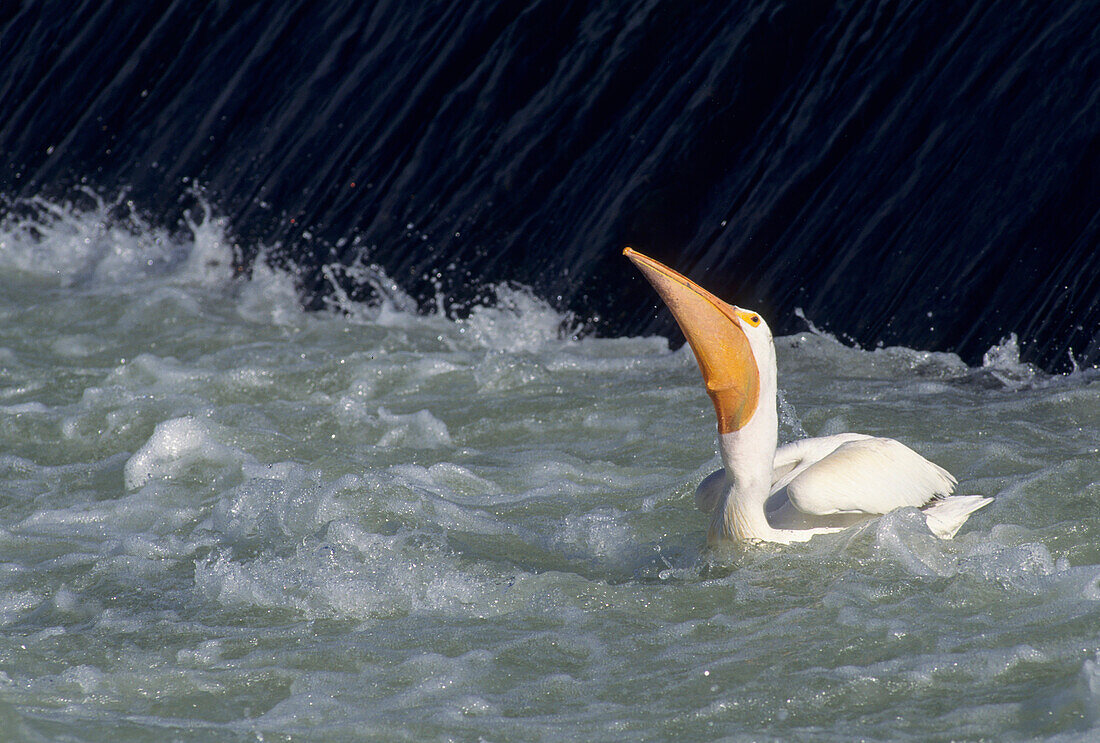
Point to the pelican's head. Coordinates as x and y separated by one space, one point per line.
733 346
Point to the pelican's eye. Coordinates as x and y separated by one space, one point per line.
751 318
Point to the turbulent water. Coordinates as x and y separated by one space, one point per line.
437 507
224 518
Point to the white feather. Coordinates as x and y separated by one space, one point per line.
945 517
792 459
711 490
868 475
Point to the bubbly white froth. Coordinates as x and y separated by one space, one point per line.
226 517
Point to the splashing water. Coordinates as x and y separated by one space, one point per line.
226 518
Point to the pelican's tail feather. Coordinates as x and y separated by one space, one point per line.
947 515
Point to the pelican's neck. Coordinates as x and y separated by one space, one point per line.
748 455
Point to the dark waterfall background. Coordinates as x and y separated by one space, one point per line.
919 173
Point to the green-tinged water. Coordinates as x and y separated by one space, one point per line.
222 518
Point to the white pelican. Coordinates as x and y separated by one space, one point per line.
814 486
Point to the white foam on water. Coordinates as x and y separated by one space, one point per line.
517 321
31 408
15 604
1002 361
174 446
903 535
206 655
270 297
210 259
349 573
224 514
1089 688
604 533
88 244
420 430
275 505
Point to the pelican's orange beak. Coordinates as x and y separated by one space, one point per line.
715 333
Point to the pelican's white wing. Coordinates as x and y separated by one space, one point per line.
865 475
792 459
711 490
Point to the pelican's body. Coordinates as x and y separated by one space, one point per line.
814 486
